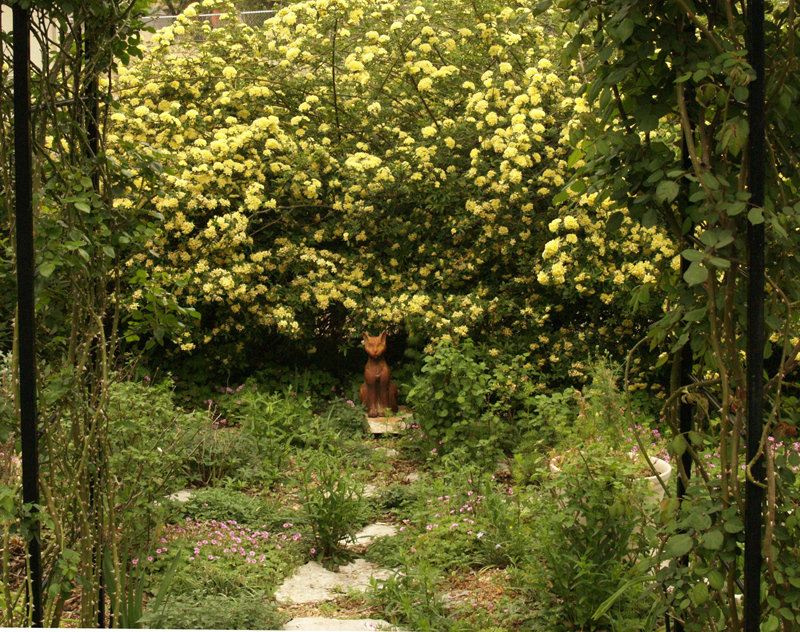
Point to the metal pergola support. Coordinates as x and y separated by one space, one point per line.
26 309
754 493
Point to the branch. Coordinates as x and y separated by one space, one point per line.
701 26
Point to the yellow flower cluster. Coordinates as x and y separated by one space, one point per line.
395 160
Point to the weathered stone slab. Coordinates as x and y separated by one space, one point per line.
337 625
389 425
181 496
389 452
369 533
313 583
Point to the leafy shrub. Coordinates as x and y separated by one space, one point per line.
464 399
458 523
222 505
348 417
589 542
410 598
152 440
219 452
332 505
198 610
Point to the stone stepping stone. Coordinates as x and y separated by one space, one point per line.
313 583
337 625
389 425
368 534
389 452
181 496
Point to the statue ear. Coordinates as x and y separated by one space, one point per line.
383 336
366 336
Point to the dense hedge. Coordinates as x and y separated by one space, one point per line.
358 164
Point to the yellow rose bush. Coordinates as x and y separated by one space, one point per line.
357 164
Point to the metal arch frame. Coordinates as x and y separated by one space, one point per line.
26 308
26 313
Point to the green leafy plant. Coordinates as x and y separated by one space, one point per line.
223 505
217 452
244 610
410 598
348 417
451 402
592 538
125 585
226 557
332 505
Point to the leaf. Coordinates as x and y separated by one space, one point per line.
695 274
699 593
47 268
716 580
614 222
678 545
695 315
109 252
83 207
560 197
679 445
717 262
667 191
574 157
625 29
713 540
579 186
771 624
733 525
755 216
693 255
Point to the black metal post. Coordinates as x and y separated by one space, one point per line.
685 408
26 309
755 319
91 112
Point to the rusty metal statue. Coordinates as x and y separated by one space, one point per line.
378 392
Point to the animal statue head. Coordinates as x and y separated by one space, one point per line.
375 345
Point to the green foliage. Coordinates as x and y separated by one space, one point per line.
225 558
410 598
151 440
218 452
8 406
244 610
462 403
125 586
709 530
590 537
332 505
674 152
273 421
222 505
348 417
552 420
450 401
459 523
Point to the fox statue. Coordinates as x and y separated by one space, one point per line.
378 392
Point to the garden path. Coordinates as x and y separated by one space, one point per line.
314 584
